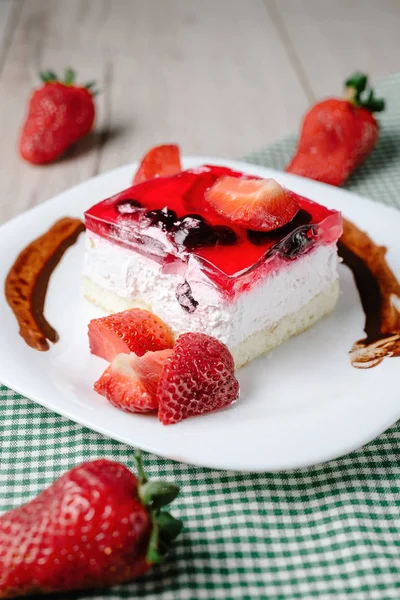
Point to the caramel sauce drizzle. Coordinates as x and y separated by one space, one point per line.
27 281
379 292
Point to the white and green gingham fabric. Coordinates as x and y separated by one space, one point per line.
328 532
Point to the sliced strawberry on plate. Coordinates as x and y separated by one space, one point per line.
131 382
158 162
133 330
259 204
197 378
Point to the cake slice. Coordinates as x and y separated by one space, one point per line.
198 251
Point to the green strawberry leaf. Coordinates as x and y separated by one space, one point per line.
358 81
90 86
69 76
169 527
360 94
48 76
157 494
165 529
367 100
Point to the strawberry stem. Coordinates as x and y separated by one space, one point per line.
139 465
153 556
360 94
154 495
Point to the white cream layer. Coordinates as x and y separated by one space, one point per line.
130 275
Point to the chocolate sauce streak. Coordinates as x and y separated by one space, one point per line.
379 292
27 281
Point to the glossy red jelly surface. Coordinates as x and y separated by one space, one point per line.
176 205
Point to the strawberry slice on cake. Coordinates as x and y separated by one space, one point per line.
258 204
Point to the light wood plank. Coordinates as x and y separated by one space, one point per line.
333 39
213 76
6 7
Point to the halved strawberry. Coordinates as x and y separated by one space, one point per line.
131 382
259 204
158 162
133 330
197 378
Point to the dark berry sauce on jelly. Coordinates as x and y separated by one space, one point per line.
193 232
163 218
225 235
177 205
297 242
259 238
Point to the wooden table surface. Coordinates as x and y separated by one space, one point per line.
221 77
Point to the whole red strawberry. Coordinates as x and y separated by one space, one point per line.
338 134
59 114
96 526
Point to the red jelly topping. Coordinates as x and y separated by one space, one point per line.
176 205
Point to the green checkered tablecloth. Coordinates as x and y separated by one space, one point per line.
328 532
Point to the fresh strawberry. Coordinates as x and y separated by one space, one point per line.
133 330
59 114
198 378
338 134
96 526
259 204
159 161
130 382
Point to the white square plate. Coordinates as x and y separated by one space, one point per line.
301 404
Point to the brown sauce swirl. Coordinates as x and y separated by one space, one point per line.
379 292
27 281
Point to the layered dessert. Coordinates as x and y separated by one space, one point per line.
215 251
